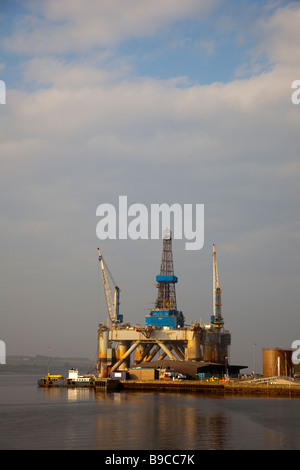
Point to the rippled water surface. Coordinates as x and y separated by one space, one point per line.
36 418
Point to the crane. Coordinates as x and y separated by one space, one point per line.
216 318
112 302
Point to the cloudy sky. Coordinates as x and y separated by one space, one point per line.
165 101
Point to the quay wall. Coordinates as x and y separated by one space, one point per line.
230 388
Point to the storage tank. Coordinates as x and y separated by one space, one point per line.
277 362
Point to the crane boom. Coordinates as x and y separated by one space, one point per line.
216 318
112 302
216 280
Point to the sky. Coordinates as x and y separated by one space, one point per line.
167 101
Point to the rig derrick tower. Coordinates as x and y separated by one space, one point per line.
166 298
165 313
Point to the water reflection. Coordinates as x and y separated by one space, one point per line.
115 397
216 428
85 418
172 421
54 393
75 394
67 394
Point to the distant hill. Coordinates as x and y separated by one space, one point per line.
42 364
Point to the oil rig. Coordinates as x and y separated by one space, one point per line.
165 339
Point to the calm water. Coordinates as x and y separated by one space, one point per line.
36 418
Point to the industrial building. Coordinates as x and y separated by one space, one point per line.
165 341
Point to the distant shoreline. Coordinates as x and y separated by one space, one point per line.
40 364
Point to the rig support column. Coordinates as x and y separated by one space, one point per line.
193 352
103 346
123 347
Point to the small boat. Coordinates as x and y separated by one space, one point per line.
76 380
52 380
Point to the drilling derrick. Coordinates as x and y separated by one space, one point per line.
165 313
166 298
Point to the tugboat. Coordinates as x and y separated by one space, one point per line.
51 380
76 380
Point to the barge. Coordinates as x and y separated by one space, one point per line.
51 380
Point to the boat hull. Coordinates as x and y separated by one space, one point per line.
52 383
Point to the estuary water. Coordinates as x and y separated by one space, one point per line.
59 418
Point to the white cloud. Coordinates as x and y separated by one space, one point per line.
59 73
280 36
72 25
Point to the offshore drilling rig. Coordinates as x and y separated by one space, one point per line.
165 334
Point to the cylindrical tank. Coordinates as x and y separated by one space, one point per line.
277 362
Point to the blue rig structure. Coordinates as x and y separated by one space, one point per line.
165 313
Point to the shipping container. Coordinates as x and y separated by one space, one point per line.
119 375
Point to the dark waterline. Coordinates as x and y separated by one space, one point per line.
36 418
